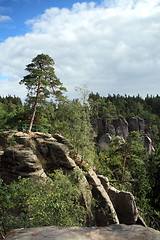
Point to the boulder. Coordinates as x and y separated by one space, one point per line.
113 232
124 205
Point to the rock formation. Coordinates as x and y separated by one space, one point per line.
113 232
33 155
107 129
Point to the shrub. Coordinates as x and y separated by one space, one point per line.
32 203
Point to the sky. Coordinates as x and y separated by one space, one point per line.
110 46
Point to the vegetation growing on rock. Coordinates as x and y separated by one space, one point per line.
32 203
123 161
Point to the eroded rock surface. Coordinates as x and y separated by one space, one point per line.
113 232
123 202
20 161
108 129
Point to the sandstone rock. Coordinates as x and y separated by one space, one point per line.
113 232
105 213
141 125
136 124
133 124
63 140
148 144
105 131
19 161
39 153
121 127
87 195
99 125
105 182
58 155
42 135
123 202
104 141
110 129
124 205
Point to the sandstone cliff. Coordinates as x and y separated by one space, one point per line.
107 129
33 155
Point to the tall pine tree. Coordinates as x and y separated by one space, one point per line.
41 82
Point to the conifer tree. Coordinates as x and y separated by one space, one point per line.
41 82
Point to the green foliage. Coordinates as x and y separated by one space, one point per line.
7 140
128 168
154 173
101 108
117 106
125 162
31 203
10 112
11 102
3 118
72 120
42 74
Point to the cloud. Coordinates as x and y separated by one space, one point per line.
4 18
113 47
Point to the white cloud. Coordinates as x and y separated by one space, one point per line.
4 18
113 47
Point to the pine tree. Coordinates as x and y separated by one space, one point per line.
41 82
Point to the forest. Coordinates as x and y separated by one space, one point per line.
73 119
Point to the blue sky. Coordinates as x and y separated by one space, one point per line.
112 46
17 12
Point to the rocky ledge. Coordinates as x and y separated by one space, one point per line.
113 232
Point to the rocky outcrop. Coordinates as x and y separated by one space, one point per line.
124 200
35 155
104 205
19 161
121 127
136 124
107 129
113 232
104 140
121 200
148 144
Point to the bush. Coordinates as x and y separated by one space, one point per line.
33 203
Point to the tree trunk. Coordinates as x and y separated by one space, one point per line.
124 165
34 108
